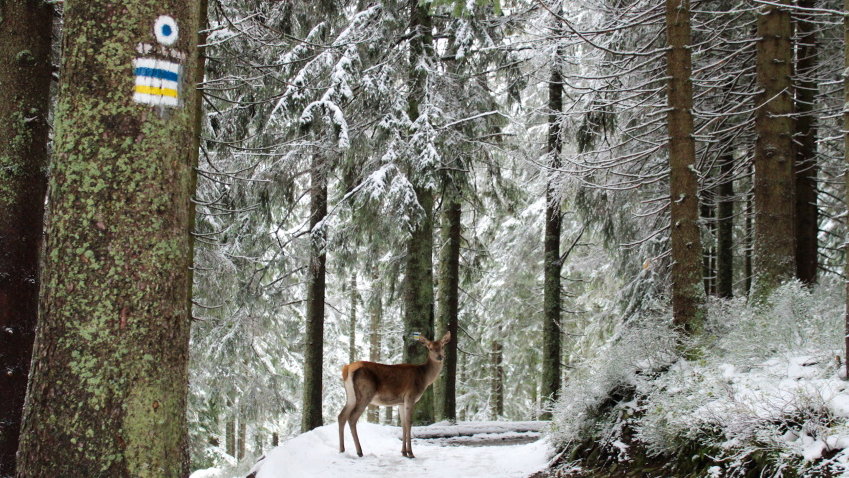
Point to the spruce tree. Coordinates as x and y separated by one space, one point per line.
107 392
688 295
774 255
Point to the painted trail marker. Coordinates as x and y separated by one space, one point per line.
157 82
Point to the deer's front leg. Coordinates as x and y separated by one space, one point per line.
407 447
403 411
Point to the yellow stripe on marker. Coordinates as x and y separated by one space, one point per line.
155 90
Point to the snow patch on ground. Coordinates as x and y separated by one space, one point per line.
315 455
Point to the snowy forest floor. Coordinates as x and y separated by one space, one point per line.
468 449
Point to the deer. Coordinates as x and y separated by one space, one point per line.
382 384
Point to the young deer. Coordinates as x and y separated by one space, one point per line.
380 384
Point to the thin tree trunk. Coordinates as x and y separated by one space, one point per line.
314 347
110 363
725 229
240 439
25 72
774 258
687 292
748 241
496 380
551 334
418 277
846 180
230 436
463 366
258 444
376 316
387 417
449 288
708 214
807 214
352 325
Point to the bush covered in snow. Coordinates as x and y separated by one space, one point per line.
761 392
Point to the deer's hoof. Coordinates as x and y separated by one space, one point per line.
360 454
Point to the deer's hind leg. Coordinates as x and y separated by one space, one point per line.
365 389
346 413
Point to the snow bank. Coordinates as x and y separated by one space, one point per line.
315 455
764 391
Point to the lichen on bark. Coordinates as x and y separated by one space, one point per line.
109 382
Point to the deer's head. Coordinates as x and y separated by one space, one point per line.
435 349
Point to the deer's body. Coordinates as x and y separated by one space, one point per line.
381 384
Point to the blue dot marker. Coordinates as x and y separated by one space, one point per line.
166 30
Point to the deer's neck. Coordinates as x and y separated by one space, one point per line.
430 370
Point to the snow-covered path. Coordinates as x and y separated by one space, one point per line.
315 455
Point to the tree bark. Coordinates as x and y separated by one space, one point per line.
725 229
807 215
314 347
551 334
108 387
774 257
688 294
418 276
449 304
25 72
496 380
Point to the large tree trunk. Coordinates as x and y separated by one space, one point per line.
687 292
807 214
25 73
107 392
314 347
551 334
418 274
725 228
449 300
774 258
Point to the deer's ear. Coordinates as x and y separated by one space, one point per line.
446 338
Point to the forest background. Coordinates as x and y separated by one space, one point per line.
558 184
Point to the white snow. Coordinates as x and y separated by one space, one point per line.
315 455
